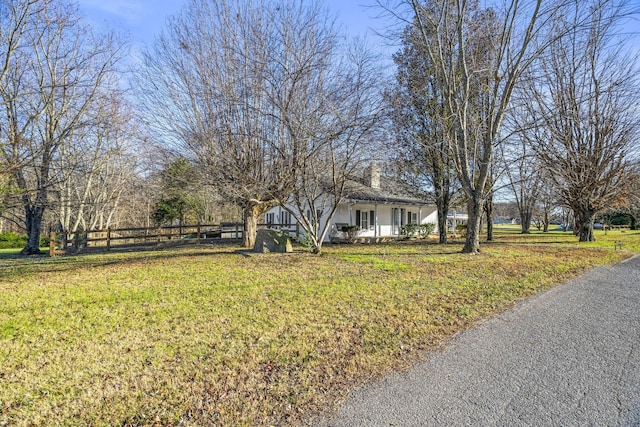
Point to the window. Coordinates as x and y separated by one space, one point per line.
362 218
397 219
365 219
270 218
285 218
412 218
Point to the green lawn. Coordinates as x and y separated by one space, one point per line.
213 335
13 252
604 239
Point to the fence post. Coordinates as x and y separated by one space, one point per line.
109 239
297 230
237 236
52 244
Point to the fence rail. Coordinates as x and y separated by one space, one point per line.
104 240
618 227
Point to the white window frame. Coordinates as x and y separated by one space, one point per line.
364 220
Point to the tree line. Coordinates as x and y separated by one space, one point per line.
240 106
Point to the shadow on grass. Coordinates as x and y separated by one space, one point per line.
13 264
524 242
398 248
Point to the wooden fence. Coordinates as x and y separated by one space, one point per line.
105 240
617 227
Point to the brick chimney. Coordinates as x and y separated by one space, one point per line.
372 176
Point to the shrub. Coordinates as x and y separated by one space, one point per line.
11 240
305 240
427 229
417 230
351 231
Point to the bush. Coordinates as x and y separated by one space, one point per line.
351 231
305 240
44 240
11 240
417 230
427 229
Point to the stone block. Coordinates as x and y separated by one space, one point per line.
272 241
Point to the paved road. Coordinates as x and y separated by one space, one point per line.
567 357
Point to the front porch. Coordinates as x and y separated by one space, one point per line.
377 222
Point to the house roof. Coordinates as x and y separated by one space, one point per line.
358 192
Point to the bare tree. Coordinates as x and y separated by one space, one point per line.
586 102
205 86
547 201
633 201
92 169
258 92
52 70
479 55
525 177
329 116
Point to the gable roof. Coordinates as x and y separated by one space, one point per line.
356 191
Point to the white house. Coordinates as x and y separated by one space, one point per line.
379 211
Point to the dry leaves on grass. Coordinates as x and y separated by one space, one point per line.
206 336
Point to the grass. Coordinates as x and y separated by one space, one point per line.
604 239
214 336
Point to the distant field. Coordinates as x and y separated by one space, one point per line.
604 239
214 335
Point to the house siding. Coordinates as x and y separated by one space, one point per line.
383 225
380 224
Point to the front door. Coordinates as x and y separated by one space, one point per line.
397 220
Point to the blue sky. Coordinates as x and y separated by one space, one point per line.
143 19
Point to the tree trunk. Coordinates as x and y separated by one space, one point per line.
442 187
442 227
250 216
566 220
317 248
488 208
584 224
33 223
474 213
546 221
443 210
525 221
586 233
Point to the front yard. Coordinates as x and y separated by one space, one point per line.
213 335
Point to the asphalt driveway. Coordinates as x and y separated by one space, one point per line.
566 357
